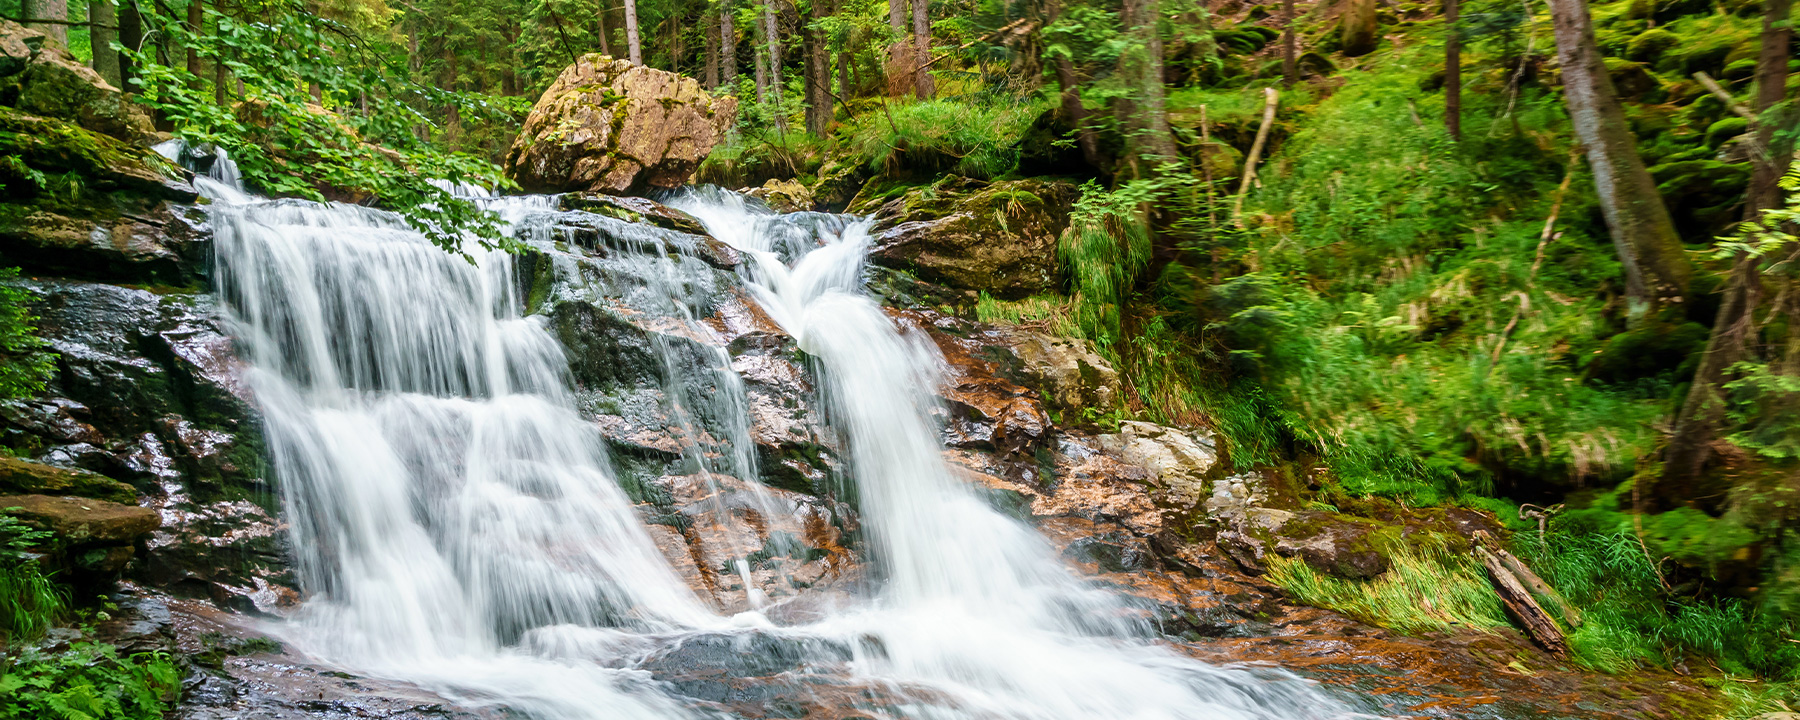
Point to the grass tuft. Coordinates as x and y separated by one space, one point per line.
1426 589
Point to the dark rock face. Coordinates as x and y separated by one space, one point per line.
995 237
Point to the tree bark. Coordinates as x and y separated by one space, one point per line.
1070 96
634 50
772 33
195 17
1359 36
47 10
1290 45
1656 268
923 85
1452 70
843 59
818 60
1148 140
761 50
1703 410
131 35
727 47
104 32
604 31
710 76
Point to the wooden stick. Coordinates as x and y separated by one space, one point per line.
1550 222
1538 625
1531 580
1718 91
1270 98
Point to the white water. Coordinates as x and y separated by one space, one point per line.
457 524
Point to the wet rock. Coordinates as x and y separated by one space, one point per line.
610 126
633 210
998 238
19 477
1067 372
1178 460
783 196
987 410
82 521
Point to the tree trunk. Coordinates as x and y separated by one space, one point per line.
634 51
104 32
131 35
818 61
47 10
710 77
923 85
772 33
1290 46
1359 37
727 47
1697 425
843 59
1070 97
194 20
1148 140
1656 269
761 51
1452 70
604 31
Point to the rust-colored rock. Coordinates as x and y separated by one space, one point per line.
82 521
609 126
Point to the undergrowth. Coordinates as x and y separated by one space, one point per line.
29 601
978 140
88 681
1425 589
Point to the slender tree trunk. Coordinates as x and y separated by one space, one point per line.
727 47
843 59
104 32
1290 45
818 65
195 17
761 51
772 34
1702 412
47 10
131 35
923 85
1452 70
711 76
635 52
899 64
1070 98
1148 139
605 30
1656 268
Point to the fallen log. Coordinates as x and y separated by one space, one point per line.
1538 624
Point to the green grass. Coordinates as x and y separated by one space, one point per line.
1426 589
30 602
978 140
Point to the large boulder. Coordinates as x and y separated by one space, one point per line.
50 82
23 477
610 126
998 237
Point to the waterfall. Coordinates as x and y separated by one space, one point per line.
456 521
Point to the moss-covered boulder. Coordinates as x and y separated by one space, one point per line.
41 78
607 125
82 521
20 477
997 237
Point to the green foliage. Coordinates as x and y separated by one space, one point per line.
25 361
359 139
29 601
978 140
88 681
1426 589
1629 618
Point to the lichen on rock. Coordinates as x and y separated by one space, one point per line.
610 126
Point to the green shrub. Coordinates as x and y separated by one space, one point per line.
89 681
29 601
939 136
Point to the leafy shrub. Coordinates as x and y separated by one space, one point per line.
938 136
89 681
29 601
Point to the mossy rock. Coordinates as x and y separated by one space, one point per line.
1724 130
1650 45
21 477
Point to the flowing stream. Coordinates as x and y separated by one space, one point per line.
458 524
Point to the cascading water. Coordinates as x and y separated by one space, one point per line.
457 524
